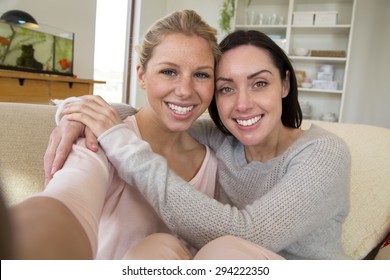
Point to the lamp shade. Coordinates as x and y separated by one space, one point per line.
19 17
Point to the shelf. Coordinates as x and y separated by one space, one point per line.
329 39
267 29
44 77
322 29
265 26
18 86
331 27
319 59
320 90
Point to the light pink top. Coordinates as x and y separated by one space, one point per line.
127 218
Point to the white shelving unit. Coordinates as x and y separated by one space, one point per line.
275 18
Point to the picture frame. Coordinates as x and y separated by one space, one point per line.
300 75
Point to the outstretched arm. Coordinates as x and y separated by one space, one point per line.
62 221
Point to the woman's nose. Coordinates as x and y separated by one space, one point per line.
185 87
243 101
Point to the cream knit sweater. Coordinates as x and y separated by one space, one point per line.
294 204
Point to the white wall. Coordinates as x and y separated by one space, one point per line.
70 15
146 13
208 10
368 93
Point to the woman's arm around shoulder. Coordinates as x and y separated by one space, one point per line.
205 131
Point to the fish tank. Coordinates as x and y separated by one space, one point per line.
45 49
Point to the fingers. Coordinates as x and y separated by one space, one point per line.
61 154
90 140
48 158
60 145
95 98
96 125
91 105
94 112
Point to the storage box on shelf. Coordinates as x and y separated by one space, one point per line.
322 27
303 18
325 18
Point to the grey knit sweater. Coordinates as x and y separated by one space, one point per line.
294 204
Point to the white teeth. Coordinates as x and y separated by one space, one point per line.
180 110
249 122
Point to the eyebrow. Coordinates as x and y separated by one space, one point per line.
166 63
259 72
248 77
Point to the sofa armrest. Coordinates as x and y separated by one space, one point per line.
368 221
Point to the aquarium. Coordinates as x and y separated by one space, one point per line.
43 50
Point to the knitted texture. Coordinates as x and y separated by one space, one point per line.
294 204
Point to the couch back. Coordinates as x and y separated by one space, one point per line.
25 130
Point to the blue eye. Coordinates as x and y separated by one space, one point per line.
168 72
202 75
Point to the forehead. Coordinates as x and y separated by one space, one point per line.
249 53
190 48
245 58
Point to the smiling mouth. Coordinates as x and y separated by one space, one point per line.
179 109
250 121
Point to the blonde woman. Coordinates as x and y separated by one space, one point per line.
87 210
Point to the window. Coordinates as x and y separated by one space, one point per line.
110 49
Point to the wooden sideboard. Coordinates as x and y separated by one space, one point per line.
16 86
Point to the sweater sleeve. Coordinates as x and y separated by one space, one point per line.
205 131
123 110
270 220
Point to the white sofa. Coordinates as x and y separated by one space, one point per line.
24 135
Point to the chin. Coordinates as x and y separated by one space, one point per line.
248 140
180 126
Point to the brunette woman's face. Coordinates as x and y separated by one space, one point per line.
249 93
179 80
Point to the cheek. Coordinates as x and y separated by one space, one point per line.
157 89
223 105
206 92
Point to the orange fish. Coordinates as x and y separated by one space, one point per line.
4 41
65 64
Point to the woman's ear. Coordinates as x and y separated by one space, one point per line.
140 76
286 85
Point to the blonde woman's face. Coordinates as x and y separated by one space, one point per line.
179 80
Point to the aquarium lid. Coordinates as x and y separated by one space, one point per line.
19 17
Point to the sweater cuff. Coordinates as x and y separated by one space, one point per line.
120 137
124 110
60 108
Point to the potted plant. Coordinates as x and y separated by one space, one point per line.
226 14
